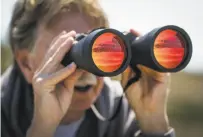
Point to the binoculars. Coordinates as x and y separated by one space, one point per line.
108 52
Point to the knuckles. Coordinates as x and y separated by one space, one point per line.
38 81
40 84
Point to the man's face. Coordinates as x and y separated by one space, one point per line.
88 86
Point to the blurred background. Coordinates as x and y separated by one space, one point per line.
186 99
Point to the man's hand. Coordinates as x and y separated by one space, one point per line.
51 97
148 98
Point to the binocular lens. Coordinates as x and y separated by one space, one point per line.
108 52
169 48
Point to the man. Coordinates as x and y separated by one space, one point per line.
42 98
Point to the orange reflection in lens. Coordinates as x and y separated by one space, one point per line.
108 52
169 49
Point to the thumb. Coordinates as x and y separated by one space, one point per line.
71 80
66 95
136 33
152 74
126 76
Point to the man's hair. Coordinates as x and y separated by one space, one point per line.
27 14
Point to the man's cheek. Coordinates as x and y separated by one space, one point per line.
34 63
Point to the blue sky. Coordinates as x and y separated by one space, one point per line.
144 15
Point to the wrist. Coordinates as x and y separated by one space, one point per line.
170 133
154 123
41 129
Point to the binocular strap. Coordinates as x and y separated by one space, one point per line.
130 82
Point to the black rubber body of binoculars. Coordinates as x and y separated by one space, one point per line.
81 52
142 49
147 50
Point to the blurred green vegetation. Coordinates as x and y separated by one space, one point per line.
185 105
6 57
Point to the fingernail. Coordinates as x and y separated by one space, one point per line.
71 39
72 65
72 31
69 34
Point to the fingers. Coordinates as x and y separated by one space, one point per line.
73 78
56 52
58 41
136 33
126 76
155 75
59 76
53 61
63 49
65 95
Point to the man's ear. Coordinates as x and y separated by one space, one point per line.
24 60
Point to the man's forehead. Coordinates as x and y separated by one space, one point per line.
68 22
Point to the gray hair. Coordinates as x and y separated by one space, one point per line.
27 14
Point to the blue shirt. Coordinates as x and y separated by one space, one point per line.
68 130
